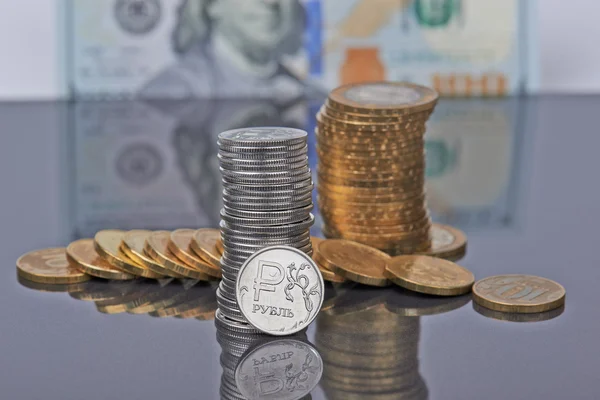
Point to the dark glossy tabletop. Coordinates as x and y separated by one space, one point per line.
519 176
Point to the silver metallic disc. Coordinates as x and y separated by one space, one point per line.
263 136
279 290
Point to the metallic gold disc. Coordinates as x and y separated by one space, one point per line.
447 242
157 248
49 266
85 258
133 246
182 244
382 98
205 244
354 261
518 317
108 242
429 275
328 274
518 293
220 248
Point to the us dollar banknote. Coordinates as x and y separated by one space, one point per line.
294 48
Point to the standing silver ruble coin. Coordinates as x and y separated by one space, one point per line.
279 290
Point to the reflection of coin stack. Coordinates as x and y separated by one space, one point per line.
267 200
255 367
372 165
370 352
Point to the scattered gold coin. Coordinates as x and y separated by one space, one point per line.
328 274
205 244
157 247
219 246
518 293
49 266
133 246
354 261
447 242
85 258
429 275
518 317
108 242
181 244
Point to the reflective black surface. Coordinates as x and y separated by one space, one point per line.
519 176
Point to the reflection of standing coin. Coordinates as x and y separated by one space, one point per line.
429 275
108 242
354 261
518 293
447 242
49 266
283 369
279 290
83 255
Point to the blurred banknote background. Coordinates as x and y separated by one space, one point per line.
294 48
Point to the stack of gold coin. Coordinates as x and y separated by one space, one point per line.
371 168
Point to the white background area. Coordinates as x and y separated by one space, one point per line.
31 48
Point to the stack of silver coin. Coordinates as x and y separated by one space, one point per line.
267 200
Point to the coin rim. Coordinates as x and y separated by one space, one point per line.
518 308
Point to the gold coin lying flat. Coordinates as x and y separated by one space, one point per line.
157 247
328 274
429 275
205 244
447 242
108 242
518 293
219 246
354 261
181 243
518 317
85 258
133 246
49 266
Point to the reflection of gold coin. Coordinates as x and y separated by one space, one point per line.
180 243
204 244
50 287
107 243
133 246
518 293
83 255
157 248
447 242
413 304
519 317
219 246
429 275
98 290
328 274
354 261
49 266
